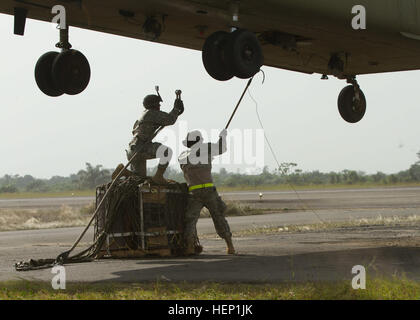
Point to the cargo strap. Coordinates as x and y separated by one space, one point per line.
91 252
201 186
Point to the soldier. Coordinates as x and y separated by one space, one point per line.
143 131
196 166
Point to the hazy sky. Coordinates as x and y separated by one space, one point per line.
45 136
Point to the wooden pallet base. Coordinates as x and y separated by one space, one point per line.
134 253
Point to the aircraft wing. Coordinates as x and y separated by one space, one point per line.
297 35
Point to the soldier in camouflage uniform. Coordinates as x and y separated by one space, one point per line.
143 131
196 166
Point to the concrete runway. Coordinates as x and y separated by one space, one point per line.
305 199
294 256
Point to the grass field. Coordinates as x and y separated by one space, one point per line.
378 288
65 216
314 187
25 219
36 195
91 193
412 220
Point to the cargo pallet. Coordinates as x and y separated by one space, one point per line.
148 219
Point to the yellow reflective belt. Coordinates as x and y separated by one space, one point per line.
200 186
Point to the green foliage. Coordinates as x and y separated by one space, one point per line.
93 176
85 179
38 186
8 189
287 173
378 288
414 172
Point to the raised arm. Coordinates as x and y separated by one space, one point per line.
219 147
167 119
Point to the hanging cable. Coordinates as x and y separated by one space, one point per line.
275 157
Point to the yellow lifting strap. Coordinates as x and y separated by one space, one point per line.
200 186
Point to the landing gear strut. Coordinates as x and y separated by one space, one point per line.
62 72
232 54
352 102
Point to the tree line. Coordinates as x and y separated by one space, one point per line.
287 173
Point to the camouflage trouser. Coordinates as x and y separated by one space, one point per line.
149 150
209 198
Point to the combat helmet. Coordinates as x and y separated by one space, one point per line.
192 138
151 100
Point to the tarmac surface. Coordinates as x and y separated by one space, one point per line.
317 199
284 256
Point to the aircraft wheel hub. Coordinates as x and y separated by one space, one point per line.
351 108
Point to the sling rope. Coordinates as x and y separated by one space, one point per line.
87 254
275 157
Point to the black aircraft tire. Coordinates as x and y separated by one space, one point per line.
244 53
346 106
43 74
71 72
214 58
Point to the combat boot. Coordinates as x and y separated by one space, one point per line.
158 177
230 249
120 167
190 248
198 249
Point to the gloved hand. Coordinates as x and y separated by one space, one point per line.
223 133
179 105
